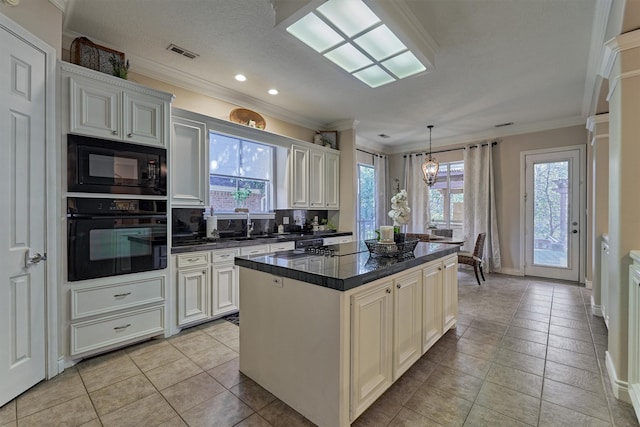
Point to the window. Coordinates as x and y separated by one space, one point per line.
446 198
366 215
240 174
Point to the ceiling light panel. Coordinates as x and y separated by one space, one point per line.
404 65
374 76
349 16
315 33
348 57
380 43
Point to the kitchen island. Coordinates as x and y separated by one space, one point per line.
329 334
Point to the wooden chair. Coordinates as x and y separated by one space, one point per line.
474 259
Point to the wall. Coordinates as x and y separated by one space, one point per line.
41 18
507 174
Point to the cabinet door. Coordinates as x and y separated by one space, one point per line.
604 282
192 295
432 317
634 335
189 164
224 290
299 177
144 119
316 179
371 341
450 292
332 181
407 333
95 109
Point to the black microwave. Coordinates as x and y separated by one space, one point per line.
101 166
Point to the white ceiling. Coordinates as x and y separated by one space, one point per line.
530 62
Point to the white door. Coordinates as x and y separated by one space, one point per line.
22 215
552 214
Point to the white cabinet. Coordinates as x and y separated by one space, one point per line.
604 280
407 315
371 343
193 287
337 239
314 177
282 246
432 316
450 292
189 164
224 287
254 250
108 107
115 311
634 331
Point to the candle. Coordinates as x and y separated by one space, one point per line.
386 233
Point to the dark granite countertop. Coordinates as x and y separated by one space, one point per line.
353 268
205 245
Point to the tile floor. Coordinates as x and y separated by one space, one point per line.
525 352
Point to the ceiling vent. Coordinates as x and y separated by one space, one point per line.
184 52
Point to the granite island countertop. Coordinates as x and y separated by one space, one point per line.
352 268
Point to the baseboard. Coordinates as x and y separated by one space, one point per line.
588 284
620 388
596 310
512 271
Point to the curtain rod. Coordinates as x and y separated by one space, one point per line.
493 143
372 154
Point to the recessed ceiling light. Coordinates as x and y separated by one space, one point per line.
273 91
241 77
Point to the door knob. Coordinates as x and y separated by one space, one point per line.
32 260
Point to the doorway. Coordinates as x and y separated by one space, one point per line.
553 214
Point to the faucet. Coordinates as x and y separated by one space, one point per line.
249 225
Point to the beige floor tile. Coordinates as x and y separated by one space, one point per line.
172 373
10 424
233 344
279 414
581 378
577 399
572 345
109 371
623 413
115 396
454 382
438 351
252 394
577 334
490 326
173 422
509 402
530 324
439 406
188 393
480 416
571 358
228 374
557 416
73 412
527 334
477 349
59 389
153 356
213 355
93 423
409 418
569 323
515 379
569 315
374 416
520 361
8 413
523 346
222 410
195 344
421 370
151 410
103 361
540 309
576 307
467 364
392 400
223 332
524 314
485 337
254 420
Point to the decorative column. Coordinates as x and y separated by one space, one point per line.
622 68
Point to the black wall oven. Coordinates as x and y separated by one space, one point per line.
102 166
109 237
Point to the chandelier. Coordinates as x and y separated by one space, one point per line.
430 166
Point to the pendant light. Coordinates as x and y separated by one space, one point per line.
430 166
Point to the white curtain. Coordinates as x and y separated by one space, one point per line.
418 194
380 166
480 204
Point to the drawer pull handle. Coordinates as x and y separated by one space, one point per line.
224 256
114 132
192 260
122 295
121 328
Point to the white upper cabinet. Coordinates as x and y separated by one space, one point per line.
314 177
332 180
189 163
299 177
316 180
104 106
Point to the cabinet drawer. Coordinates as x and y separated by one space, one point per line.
336 240
193 259
104 299
100 333
223 255
254 250
284 246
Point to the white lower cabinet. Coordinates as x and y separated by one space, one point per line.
449 292
407 320
337 239
371 343
115 311
193 285
432 317
634 331
225 298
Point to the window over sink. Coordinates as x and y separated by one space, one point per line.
240 174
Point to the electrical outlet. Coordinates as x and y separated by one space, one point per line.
285 220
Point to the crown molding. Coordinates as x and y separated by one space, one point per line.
594 121
616 45
616 80
60 4
596 53
342 125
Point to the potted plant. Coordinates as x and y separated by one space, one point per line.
240 196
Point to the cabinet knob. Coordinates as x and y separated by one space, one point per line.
439 268
114 132
388 290
129 135
398 286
